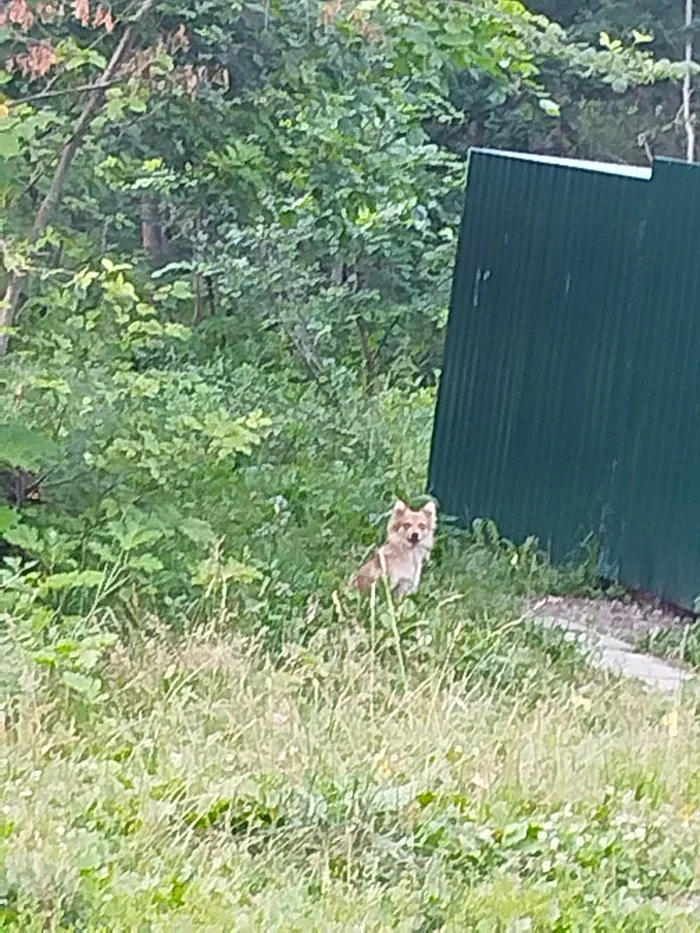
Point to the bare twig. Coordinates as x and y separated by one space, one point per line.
368 354
388 332
60 92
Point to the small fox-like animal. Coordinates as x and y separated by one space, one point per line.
410 538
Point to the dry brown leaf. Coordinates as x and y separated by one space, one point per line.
222 77
179 39
48 13
81 11
329 11
38 59
103 17
19 13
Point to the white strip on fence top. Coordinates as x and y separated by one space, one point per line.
611 168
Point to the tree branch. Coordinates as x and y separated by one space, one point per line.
368 356
60 92
8 306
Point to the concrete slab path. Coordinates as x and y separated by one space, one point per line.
618 656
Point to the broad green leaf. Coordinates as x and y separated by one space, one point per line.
137 104
550 107
177 331
9 140
130 537
8 518
25 447
80 683
146 562
25 537
74 579
181 289
197 530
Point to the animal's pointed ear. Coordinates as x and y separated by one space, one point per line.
430 509
398 510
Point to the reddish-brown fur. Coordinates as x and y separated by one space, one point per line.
410 537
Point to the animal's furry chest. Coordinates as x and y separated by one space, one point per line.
408 564
404 568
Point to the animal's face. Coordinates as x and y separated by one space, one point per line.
412 527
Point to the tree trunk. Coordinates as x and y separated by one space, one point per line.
152 231
10 302
688 119
369 358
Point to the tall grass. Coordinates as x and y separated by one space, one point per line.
212 786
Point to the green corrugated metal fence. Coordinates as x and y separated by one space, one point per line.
570 395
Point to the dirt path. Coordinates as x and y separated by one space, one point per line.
610 630
629 620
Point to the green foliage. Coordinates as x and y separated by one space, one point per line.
24 447
141 454
681 643
221 373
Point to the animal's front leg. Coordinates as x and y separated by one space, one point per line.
416 576
404 586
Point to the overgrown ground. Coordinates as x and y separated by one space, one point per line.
255 747
235 741
301 759
210 786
